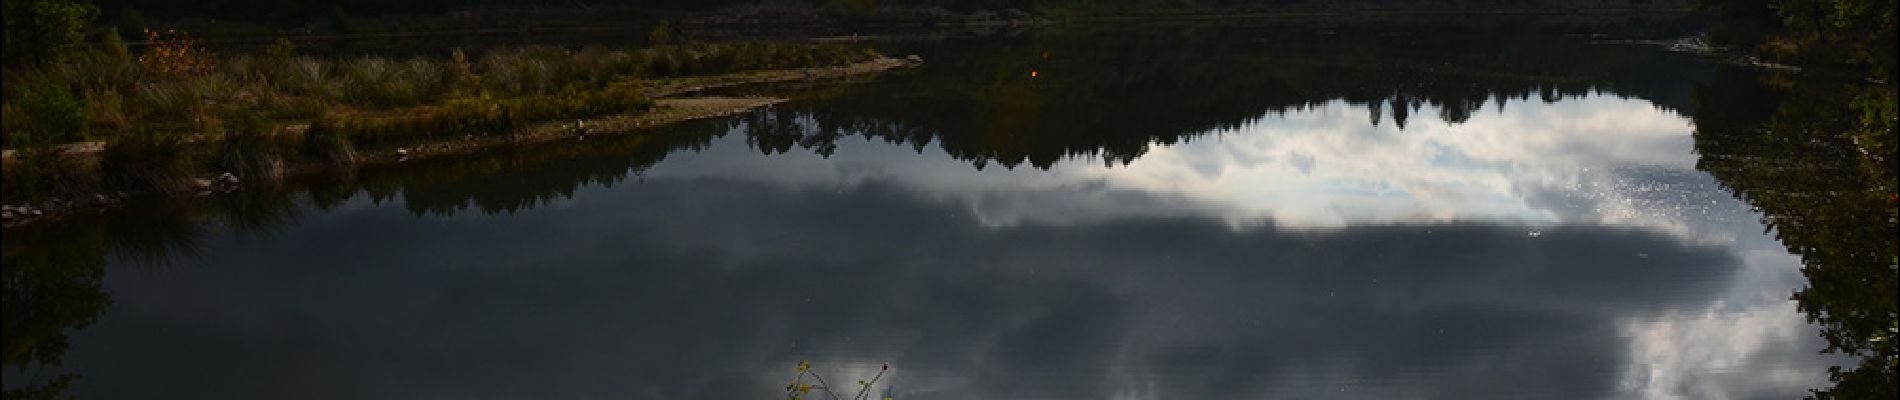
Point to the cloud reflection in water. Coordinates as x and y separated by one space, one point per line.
1308 254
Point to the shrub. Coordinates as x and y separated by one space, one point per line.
382 83
44 171
44 111
114 47
305 76
525 70
618 99
180 106
43 32
599 66
282 51
244 66
102 69
174 53
362 81
106 113
461 116
475 116
463 73
664 63
662 34
425 79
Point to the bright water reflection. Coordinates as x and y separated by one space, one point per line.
1326 167
1589 160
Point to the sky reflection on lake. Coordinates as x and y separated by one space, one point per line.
721 268
1593 160
1566 249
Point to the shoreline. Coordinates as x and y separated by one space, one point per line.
672 100
666 111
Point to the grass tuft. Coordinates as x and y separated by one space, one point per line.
248 149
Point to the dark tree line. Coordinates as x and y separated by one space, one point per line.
293 8
1112 95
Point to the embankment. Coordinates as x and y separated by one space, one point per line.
674 101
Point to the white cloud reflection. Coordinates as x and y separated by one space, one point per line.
1579 160
1591 160
1328 166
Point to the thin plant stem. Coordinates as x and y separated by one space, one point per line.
866 389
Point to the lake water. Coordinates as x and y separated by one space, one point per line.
1196 213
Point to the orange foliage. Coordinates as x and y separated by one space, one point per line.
173 52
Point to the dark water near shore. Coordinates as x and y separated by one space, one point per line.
1194 213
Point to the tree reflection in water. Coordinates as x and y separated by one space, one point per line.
1775 143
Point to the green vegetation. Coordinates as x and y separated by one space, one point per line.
43 31
44 111
1850 40
176 110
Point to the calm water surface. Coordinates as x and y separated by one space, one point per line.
1225 214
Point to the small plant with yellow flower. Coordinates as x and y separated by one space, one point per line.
799 388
